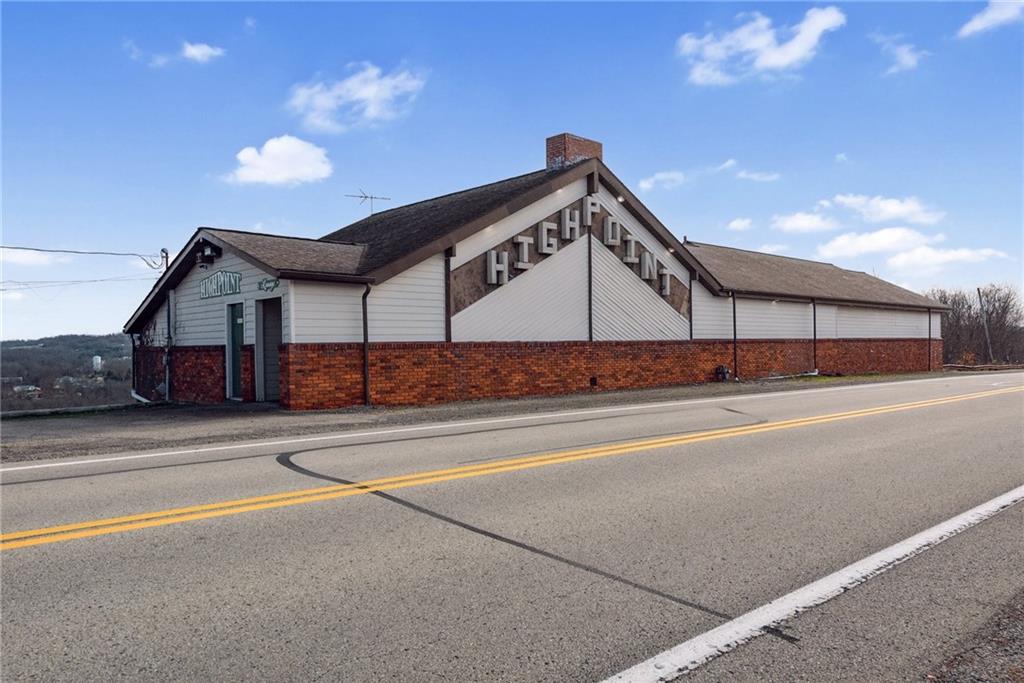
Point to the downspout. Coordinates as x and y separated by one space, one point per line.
590 286
689 303
929 339
169 343
814 333
366 348
135 366
735 347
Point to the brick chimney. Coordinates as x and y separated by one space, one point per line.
566 149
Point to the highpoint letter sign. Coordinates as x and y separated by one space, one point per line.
220 283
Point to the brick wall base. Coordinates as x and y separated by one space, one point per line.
248 372
197 374
319 376
148 372
331 375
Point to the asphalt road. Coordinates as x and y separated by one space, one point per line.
544 547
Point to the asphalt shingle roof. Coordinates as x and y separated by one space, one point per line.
757 273
392 234
296 254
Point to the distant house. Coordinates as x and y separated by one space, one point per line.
555 281
28 391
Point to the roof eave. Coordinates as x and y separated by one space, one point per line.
325 277
756 294
651 222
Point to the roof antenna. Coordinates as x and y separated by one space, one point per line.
363 197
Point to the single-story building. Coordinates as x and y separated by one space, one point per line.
556 281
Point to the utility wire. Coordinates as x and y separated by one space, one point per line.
18 285
154 261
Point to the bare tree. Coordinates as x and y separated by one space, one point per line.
963 326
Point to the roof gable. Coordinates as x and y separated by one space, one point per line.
400 238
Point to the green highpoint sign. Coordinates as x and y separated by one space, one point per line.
220 283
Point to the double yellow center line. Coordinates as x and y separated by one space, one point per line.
100 527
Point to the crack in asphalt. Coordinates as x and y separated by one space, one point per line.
285 460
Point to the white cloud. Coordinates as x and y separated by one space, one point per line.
365 97
926 259
725 165
740 224
249 23
773 248
284 160
996 14
851 244
20 257
905 56
757 176
754 47
801 222
841 158
12 295
880 209
666 180
200 52
132 49
158 61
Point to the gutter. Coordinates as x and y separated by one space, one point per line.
746 294
366 347
323 277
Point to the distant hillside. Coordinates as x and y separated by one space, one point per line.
58 371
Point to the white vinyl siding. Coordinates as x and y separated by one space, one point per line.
203 322
712 315
767 319
936 326
645 237
158 326
549 303
325 312
409 306
507 227
626 308
855 322
827 317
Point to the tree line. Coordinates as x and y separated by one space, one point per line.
963 325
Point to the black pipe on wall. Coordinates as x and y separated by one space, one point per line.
814 333
735 347
366 347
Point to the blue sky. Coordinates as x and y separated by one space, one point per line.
880 137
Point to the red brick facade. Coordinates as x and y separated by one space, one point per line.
197 374
331 375
148 372
248 372
318 376
858 356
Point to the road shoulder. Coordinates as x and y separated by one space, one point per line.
898 626
162 427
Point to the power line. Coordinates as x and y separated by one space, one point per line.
18 285
154 261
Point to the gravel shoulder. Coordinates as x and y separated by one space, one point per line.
995 652
148 427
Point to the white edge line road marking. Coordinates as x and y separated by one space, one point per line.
689 655
473 423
